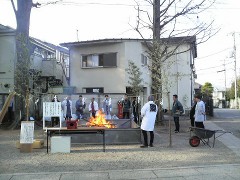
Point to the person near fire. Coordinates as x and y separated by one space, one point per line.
67 108
55 120
126 107
80 106
93 107
107 107
135 109
148 113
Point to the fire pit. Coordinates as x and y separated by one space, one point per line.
119 131
100 121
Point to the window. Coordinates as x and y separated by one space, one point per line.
99 60
144 60
93 90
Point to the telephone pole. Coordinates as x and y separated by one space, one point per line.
235 69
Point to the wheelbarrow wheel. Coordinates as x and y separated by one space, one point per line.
194 141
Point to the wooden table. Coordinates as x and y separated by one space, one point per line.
79 130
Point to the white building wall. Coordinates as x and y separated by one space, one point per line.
178 79
7 59
133 51
115 80
112 79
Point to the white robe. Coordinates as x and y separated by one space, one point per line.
95 104
149 117
107 107
64 107
200 112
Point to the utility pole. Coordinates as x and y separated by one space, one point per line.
225 75
225 80
77 36
235 68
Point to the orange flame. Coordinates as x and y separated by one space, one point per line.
99 121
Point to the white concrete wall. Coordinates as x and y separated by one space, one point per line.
115 80
133 51
178 83
112 79
7 59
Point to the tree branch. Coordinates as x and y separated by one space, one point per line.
14 8
36 5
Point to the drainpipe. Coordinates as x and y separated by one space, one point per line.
191 78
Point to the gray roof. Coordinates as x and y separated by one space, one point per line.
7 29
172 40
4 29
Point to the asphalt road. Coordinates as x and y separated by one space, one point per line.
228 119
227 114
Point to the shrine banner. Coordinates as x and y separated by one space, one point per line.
27 132
51 109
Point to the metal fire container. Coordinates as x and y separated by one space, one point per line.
126 132
72 124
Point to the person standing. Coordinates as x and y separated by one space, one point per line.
192 112
200 114
177 110
126 107
107 107
55 120
93 107
135 109
149 113
67 108
80 106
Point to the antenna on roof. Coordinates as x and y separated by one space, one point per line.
77 35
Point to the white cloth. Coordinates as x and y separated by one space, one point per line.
64 107
95 104
149 116
200 112
108 116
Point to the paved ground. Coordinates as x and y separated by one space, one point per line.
181 161
217 172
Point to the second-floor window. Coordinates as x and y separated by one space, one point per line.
99 60
144 60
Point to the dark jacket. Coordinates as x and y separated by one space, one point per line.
177 109
126 105
192 111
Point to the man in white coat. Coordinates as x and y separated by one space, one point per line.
148 112
107 107
200 115
67 108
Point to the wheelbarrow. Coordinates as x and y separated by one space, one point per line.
204 135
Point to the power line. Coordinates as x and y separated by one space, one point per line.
62 2
214 67
215 53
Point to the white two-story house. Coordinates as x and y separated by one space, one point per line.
49 63
99 66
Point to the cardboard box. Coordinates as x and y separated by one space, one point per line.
37 144
25 148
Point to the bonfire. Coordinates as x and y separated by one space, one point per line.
99 121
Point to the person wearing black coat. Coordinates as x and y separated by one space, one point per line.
192 113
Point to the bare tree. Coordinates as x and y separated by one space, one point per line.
165 22
22 13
